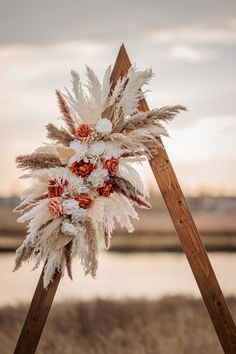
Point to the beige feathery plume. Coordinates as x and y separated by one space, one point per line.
153 117
92 243
38 161
124 187
23 253
107 239
58 135
65 110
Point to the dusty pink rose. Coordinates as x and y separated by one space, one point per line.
55 208
112 166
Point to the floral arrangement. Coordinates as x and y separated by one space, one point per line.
83 179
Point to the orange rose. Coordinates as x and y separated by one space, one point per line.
112 166
106 190
55 188
84 201
82 131
82 168
55 208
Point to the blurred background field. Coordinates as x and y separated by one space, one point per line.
215 217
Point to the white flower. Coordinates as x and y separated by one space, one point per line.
97 148
113 149
103 126
98 176
76 184
69 229
79 147
69 205
79 215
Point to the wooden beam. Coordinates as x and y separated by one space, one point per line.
187 232
37 316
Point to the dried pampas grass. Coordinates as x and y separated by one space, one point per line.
65 110
37 161
60 136
153 117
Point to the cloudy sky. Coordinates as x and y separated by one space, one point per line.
191 46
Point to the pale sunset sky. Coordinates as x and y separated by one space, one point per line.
190 45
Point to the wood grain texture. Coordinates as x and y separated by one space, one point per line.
187 232
37 316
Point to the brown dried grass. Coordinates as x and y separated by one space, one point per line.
170 325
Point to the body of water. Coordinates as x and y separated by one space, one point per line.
137 275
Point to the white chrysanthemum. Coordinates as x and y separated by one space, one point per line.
97 148
79 215
69 205
103 126
79 147
98 176
76 184
69 229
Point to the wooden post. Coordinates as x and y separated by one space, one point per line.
187 232
37 316
188 235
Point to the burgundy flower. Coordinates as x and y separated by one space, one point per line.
84 201
82 131
55 187
82 168
106 189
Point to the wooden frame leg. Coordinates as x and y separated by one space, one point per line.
37 316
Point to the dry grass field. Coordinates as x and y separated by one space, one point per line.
171 325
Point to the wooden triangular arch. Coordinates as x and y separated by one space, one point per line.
189 238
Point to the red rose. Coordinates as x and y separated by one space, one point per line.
82 168
82 131
112 166
55 208
84 201
106 190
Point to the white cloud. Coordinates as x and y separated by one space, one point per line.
193 34
189 53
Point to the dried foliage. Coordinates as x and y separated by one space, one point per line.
173 324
